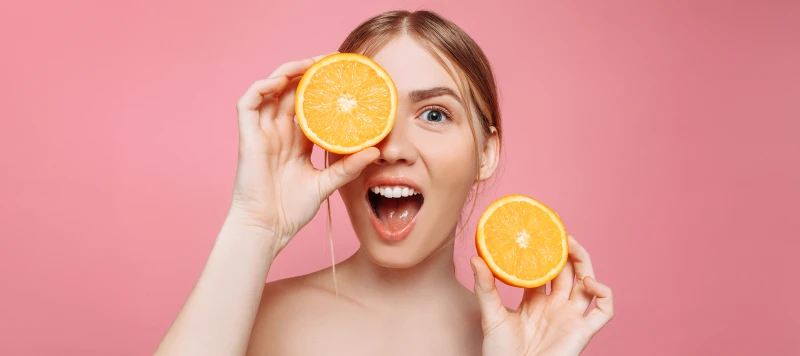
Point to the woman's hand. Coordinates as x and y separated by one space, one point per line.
544 324
277 191
277 188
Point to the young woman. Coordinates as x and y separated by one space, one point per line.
398 294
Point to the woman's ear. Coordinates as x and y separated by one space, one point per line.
490 156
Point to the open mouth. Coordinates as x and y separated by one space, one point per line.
394 210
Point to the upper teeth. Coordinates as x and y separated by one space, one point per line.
394 191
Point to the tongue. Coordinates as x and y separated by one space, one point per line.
395 213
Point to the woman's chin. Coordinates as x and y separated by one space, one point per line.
393 256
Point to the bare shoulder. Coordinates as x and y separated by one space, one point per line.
292 310
470 313
305 316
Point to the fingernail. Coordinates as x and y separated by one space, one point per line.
472 265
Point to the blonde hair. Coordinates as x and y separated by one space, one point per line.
444 40
440 37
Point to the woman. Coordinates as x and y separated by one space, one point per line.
398 293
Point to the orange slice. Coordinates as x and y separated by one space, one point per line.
345 103
523 241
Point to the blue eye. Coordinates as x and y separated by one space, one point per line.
434 115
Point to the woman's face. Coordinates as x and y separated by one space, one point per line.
405 206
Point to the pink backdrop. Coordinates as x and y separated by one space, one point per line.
665 134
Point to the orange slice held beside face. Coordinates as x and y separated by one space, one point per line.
345 103
523 242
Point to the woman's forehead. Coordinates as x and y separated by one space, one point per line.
412 67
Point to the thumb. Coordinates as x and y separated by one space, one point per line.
346 169
493 313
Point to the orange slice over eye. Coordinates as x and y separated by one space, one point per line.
345 103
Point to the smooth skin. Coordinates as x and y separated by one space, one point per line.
390 298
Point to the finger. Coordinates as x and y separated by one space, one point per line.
254 95
493 313
296 68
530 295
286 108
287 71
346 169
292 69
302 143
252 99
582 265
562 284
603 311
283 108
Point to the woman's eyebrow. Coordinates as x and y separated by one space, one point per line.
425 94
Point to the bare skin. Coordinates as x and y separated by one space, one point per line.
392 297
419 311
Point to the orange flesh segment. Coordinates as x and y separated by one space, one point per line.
353 99
523 242
346 102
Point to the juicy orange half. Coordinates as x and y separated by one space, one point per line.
523 241
345 103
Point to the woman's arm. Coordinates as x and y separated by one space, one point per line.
219 313
277 191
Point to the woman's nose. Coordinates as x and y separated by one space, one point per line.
397 147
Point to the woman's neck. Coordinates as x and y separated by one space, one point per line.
433 275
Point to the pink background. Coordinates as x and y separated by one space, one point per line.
666 134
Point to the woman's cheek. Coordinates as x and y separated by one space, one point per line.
453 160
